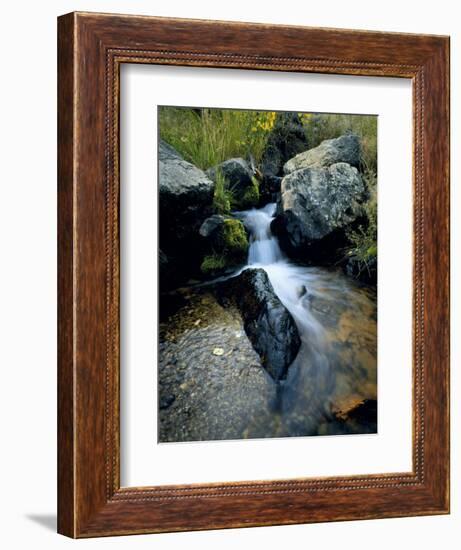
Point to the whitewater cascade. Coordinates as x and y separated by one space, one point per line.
291 283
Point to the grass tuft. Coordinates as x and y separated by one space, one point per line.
363 240
207 137
223 198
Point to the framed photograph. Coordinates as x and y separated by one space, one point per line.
253 259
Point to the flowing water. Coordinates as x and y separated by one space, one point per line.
212 385
335 368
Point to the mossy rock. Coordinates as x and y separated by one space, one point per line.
249 197
234 238
228 244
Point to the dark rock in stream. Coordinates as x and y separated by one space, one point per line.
269 188
226 244
212 225
268 324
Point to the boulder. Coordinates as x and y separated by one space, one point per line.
240 179
227 244
317 204
236 171
346 148
167 152
182 186
212 225
287 139
268 324
269 188
185 200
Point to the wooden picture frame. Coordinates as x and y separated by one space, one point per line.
91 49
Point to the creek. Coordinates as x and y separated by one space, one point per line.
335 368
212 384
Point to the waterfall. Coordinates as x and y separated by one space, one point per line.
290 282
264 247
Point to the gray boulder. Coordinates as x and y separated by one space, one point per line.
185 200
167 152
236 171
331 151
181 184
268 324
240 179
317 203
212 224
226 235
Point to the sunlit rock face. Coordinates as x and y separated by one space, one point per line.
345 148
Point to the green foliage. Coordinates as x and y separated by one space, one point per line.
234 238
319 127
213 263
250 196
230 248
223 196
363 240
207 137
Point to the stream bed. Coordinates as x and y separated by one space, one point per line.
211 382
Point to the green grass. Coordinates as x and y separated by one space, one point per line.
363 240
319 127
207 137
223 198
226 199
